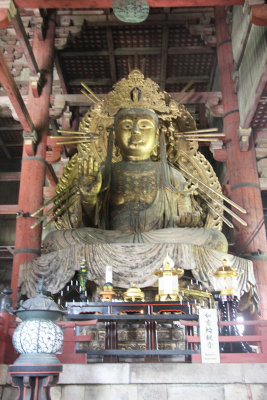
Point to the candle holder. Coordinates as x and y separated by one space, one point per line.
168 281
225 293
107 293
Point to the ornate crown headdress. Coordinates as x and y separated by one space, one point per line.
136 92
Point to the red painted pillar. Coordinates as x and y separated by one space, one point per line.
28 241
241 166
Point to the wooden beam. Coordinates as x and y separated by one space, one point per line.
24 41
60 74
10 128
51 175
75 19
256 99
129 51
13 93
79 100
9 176
171 80
70 4
9 209
164 57
112 63
2 144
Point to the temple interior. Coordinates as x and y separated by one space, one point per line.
133 199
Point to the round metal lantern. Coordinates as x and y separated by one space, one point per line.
38 338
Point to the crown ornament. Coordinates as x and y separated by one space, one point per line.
136 92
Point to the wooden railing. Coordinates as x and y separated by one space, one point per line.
72 339
192 340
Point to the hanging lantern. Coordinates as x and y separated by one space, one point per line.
225 279
168 281
133 11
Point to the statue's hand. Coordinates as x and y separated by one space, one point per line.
90 178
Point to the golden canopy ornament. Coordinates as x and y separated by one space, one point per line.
180 139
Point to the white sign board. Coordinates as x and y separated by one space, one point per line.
209 338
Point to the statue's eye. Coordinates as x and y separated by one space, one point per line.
143 125
126 126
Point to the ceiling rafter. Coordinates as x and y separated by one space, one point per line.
164 57
111 54
24 42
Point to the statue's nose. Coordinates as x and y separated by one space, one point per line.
136 130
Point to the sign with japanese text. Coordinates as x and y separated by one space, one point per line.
209 337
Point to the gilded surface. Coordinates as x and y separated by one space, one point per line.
127 176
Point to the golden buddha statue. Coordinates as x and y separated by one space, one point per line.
116 191
136 189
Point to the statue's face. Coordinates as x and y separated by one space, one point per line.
136 134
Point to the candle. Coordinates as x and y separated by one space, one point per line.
68 288
108 273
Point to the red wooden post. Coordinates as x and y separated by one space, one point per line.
27 243
241 166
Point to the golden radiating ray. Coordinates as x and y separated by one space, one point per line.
200 135
56 206
78 137
57 196
88 96
225 220
237 206
74 132
75 142
201 140
198 131
59 213
186 95
90 91
226 209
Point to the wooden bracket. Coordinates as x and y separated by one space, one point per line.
30 142
244 135
37 82
40 21
218 150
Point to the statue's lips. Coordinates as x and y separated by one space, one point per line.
135 142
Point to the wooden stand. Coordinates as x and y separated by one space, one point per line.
34 381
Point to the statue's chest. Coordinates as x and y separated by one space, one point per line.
132 185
